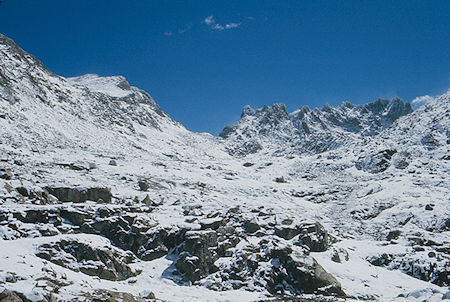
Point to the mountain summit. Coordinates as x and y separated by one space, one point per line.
44 108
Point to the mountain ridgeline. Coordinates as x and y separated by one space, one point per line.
310 131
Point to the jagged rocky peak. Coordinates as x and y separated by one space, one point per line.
248 111
267 115
306 129
276 110
271 115
388 109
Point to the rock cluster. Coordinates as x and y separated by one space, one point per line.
278 265
81 194
105 262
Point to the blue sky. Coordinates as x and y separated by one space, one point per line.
203 61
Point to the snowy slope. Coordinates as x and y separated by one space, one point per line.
46 109
104 196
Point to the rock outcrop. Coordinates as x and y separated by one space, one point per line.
105 262
78 195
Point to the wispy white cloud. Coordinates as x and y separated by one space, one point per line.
421 100
211 22
184 29
179 31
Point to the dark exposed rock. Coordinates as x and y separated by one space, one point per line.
125 233
287 232
39 216
106 263
156 245
393 235
113 296
77 195
8 296
287 221
311 235
429 142
382 260
280 179
23 191
197 250
19 162
154 253
289 271
401 160
197 259
303 274
36 196
150 202
76 217
251 226
123 230
376 163
284 271
212 223
143 185
11 277
6 174
336 258
200 249
73 166
432 270
314 236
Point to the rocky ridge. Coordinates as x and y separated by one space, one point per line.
310 131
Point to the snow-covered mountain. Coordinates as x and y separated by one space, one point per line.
49 110
104 197
422 135
273 130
